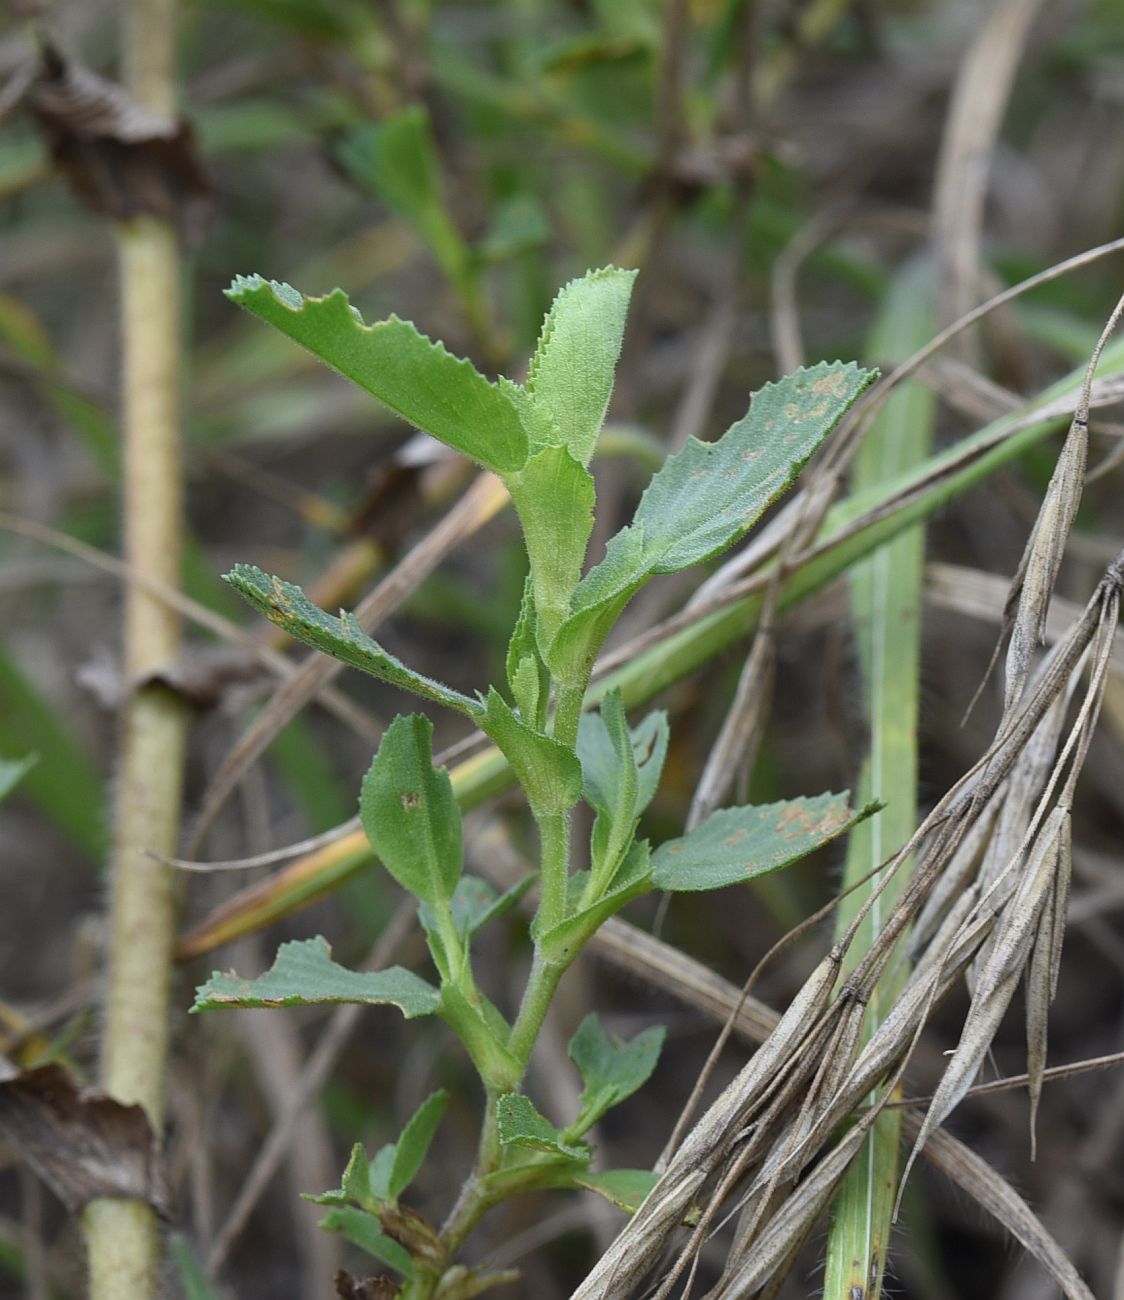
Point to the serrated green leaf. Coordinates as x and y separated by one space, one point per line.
304 975
521 1125
709 495
626 1188
737 844
596 605
548 771
410 1149
610 1069
409 813
286 605
706 497
362 1230
633 878
13 770
610 772
417 378
571 374
355 1185
554 498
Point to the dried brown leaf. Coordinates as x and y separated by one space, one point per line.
1000 1200
82 1142
119 158
1038 999
371 1288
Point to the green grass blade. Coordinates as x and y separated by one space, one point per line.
64 784
886 600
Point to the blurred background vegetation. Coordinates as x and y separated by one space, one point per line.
774 170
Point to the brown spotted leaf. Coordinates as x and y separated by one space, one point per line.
82 1142
119 158
736 844
705 498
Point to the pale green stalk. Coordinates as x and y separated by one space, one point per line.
886 601
122 1236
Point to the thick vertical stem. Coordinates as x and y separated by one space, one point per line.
122 1235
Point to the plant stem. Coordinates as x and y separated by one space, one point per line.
541 986
568 712
472 1204
122 1235
554 869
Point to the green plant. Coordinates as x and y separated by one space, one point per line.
539 438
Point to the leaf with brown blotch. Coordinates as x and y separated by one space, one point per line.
120 159
82 1142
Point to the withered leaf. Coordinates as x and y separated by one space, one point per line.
371 1288
119 158
82 1142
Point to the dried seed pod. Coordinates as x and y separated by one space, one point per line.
647 1233
1043 558
999 978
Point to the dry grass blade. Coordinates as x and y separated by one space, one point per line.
741 732
980 97
1041 984
981 596
227 631
481 502
1039 568
999 1198
773 1122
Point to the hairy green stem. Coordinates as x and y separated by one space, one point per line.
541 986
568 713
472 1203
554 870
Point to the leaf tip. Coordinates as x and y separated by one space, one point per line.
244 286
